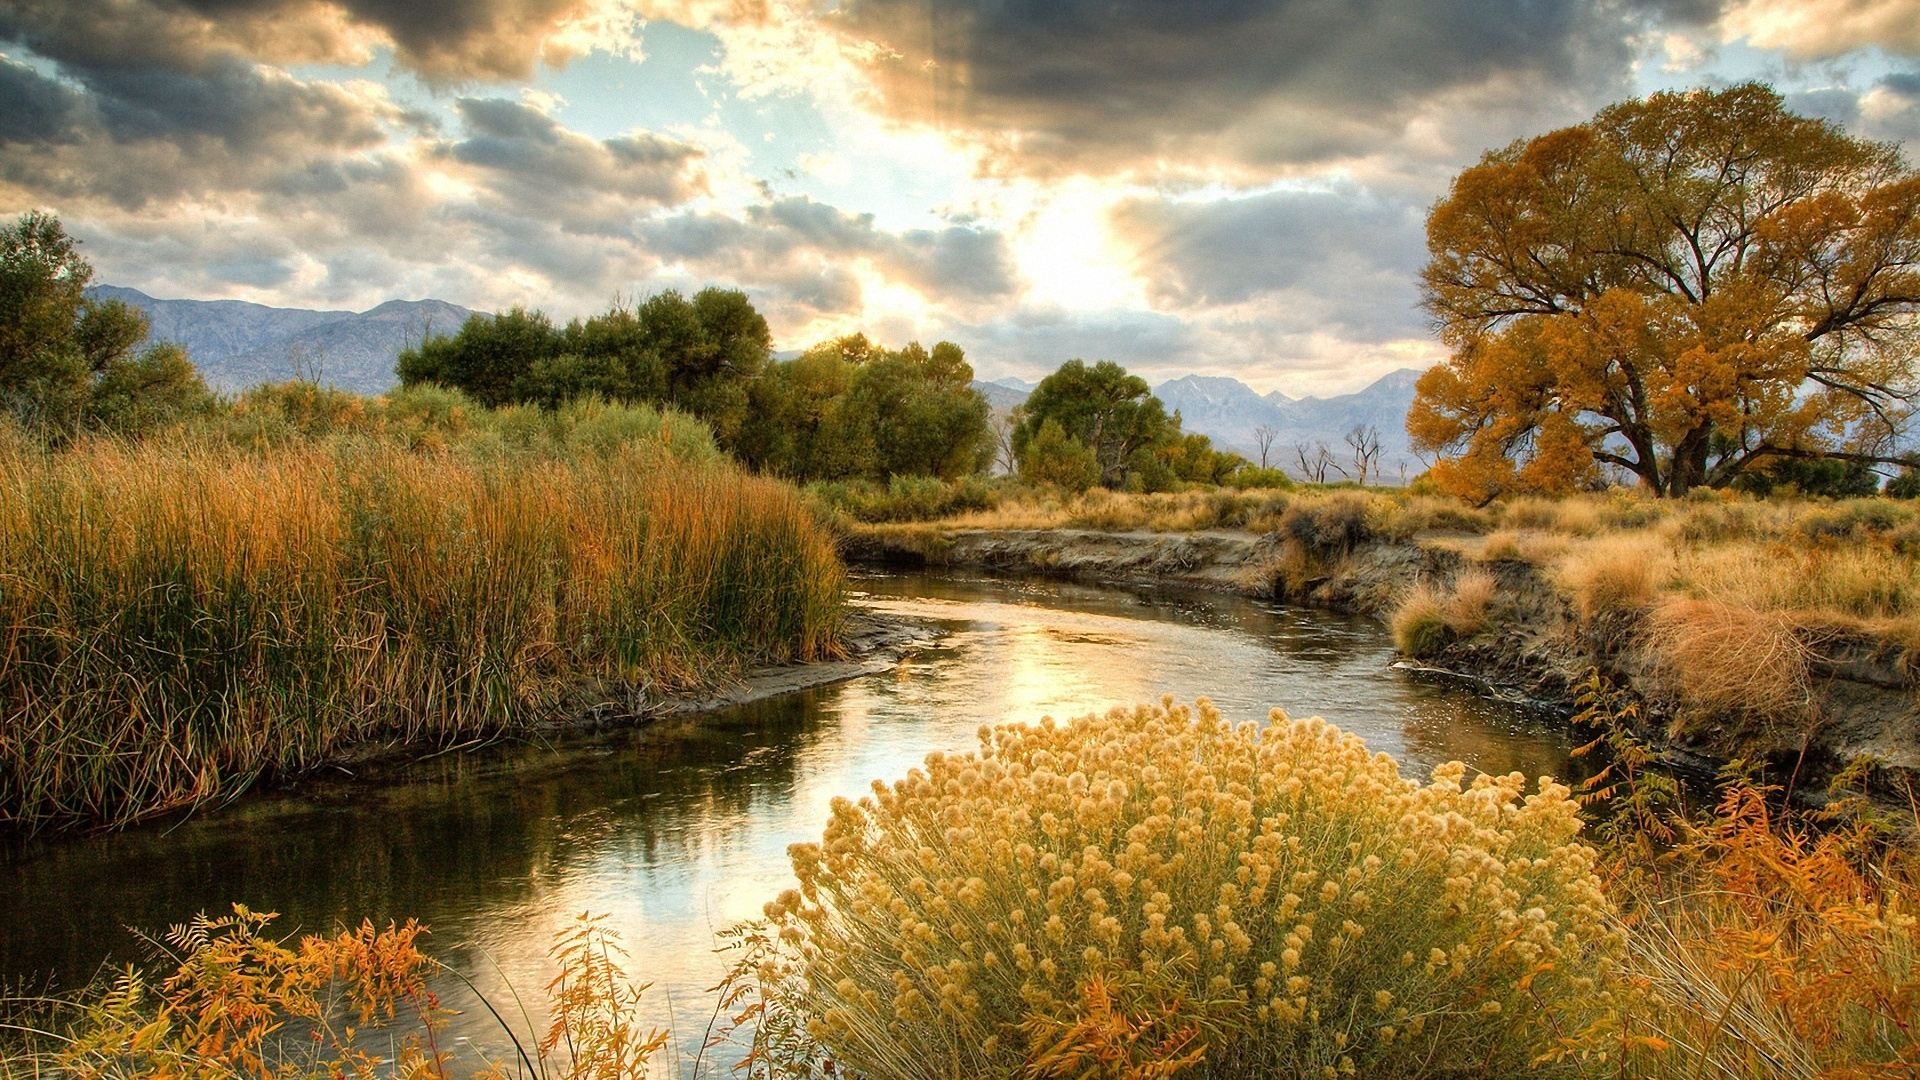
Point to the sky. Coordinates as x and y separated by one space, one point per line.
1222 187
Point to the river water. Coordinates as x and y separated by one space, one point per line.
677 833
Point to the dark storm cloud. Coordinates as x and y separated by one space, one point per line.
441 39
37 109
134 135
801 246
1059 85
244 106
1342 259
544 169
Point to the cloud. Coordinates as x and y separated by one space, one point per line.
1336 260
1059 86
801 252
1819 29
443 40
139 136
38 109
533 165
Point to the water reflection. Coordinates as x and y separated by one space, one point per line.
676 833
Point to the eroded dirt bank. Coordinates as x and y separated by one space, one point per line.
1864 699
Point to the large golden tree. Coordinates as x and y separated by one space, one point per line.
1686 287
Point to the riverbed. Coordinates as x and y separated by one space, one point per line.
678 830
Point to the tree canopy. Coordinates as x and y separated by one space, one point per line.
1123 428
697 354
69 361
851 409
1100 407
1686 287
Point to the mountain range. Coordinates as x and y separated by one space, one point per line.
236 345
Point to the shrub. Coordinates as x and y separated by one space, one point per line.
1776 949
1419 623
1271 902
1853 518
358 999
1730 658
1427 619
1613 575
1330 525
1253 476
1054 458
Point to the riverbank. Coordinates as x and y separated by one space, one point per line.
1507 617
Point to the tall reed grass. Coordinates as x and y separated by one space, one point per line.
180 618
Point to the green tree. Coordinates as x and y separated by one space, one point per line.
917 417
795 427
1051 457
1687 287
1100 407
67 360
1907 484
490 359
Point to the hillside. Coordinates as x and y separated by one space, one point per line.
236 344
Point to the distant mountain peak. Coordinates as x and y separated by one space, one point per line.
237 344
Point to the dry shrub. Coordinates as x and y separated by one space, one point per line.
1419 621
229 1007
1274 901
1624 509
1614 575
1333 524
1767 948
1472 603
1428 618
1730 658
1502 546
1530 513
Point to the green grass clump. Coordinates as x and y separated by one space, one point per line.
180 617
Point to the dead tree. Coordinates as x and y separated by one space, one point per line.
1315 460
1263 437
1364 441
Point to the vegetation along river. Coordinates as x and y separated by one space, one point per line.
678 833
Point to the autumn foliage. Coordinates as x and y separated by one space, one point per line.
1686 287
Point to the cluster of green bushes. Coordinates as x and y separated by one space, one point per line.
905 498
845 410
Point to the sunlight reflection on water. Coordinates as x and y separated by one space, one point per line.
676 837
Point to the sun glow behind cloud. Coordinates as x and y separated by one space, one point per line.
893 166
1067 254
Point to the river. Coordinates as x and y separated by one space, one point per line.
678 831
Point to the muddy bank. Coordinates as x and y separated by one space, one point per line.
1864 699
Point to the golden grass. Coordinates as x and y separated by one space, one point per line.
1731 658
178 619
1614 574
1428 617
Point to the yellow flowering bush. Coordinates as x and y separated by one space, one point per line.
1156 890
